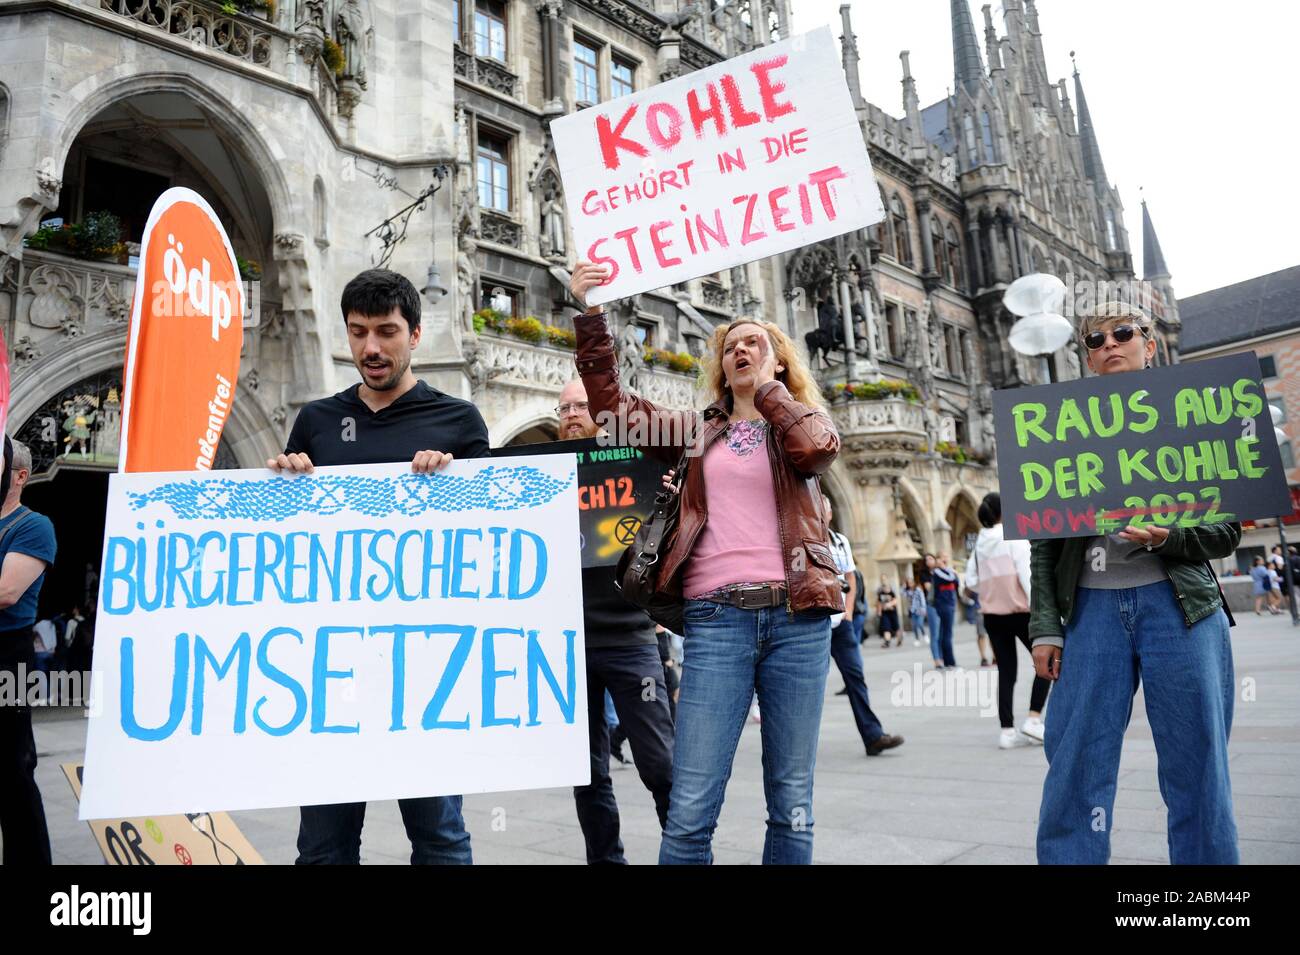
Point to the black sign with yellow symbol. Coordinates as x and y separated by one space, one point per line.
616 491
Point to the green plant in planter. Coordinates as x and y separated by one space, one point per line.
99 235
249 270
333 56
527 329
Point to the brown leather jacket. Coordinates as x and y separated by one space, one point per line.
802 442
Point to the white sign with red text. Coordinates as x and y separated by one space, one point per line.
737 162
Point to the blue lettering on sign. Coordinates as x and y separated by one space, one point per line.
236 664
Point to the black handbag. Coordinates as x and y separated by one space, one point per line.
638 569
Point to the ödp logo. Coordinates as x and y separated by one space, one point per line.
204 296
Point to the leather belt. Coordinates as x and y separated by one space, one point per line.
754 598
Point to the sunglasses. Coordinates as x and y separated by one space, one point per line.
1121 334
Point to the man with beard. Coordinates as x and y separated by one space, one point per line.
622 657
390 416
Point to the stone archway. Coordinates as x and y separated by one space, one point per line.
533 422
963 523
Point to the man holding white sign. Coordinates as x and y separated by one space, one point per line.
390 416
746 159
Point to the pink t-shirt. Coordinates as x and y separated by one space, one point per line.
740 542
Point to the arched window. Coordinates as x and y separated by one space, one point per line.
956 271
1035 260
937 250
902 234
1112 241
1063 206
884 228
972 145
986 126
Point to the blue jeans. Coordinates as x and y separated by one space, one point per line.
1117 639
848 658
730 655
611 714
859 624
918 625
941 633
932 618
331 835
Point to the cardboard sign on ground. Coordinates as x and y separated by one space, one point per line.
204 838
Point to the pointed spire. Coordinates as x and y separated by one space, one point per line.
1092 165
1153 260
968 68
912 106
849 50
990 39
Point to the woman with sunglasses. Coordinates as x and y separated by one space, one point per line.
751 554
1142 605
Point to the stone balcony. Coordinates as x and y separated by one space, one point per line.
879 439
521 364
253 39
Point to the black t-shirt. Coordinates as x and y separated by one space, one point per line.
607 619
341 429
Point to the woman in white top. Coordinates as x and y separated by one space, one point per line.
998 570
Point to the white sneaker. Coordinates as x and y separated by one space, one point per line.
1011 738
1033 728
916 643
753 712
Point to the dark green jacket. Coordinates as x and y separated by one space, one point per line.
1055 565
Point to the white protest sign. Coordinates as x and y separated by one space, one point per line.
353 634
737 162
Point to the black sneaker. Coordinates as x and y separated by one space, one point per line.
882 743
843 692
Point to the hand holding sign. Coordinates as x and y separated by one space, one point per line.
586 277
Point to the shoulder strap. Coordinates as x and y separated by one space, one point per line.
23 516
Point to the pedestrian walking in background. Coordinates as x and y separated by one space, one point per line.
998 571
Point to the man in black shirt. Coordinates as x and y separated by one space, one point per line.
390 416
622 657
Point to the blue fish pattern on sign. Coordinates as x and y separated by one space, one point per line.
494 489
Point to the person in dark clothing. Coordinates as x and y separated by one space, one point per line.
27 548
390 416
846 652
623 657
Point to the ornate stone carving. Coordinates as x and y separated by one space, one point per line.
629 355
56 301
554 227
26 351
206 24
494 227
349 95
288 242
349 33
880 438
48 177
252 379
466 284
279 414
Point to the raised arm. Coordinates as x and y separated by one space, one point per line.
806 432
661 432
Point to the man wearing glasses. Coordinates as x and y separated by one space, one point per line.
622 657
27 548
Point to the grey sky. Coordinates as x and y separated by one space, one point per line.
1188 97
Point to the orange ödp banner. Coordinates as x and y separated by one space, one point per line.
182 352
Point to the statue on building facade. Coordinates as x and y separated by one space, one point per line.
350 34
554 244
629 355
466 282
